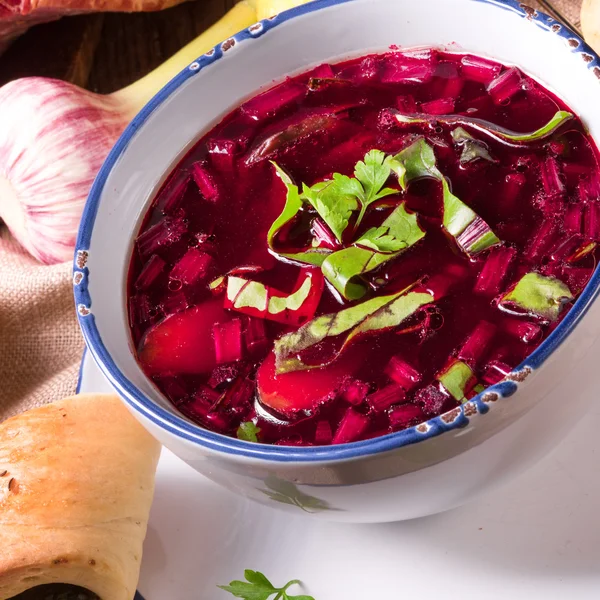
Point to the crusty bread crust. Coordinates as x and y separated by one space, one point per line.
76 485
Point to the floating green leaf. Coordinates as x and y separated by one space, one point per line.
500 133
538 295
248 432
456 379
377 314
376 247
293 205
471 232
472 149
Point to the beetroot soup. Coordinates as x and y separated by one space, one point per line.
363 247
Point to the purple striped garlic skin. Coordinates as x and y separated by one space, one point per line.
54 137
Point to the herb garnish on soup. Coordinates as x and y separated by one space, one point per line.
364 247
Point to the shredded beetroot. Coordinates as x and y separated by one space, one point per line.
162 235
255 336
405 375
385 397
172 195
479 69
506 86
494 271
323 434
350 429
474 349
526 332
272 102
443 106
405 416
193 267
323 235
591 221
152 270
574 217
495 371
354 392
204 180
432 399
228 341
551 177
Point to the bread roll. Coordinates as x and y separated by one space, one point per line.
76 485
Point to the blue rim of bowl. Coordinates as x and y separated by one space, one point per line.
182 428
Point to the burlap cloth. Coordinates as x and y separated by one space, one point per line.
40 342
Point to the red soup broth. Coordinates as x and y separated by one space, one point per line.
441 217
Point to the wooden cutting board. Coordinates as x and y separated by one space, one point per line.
105 52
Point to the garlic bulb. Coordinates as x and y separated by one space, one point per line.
54 137
53 141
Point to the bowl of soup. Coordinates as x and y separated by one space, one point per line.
345 263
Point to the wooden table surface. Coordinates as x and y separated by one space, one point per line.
104 52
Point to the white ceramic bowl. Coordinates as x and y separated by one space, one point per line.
437 465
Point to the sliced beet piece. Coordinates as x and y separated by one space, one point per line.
182 343
301 390
351 427
405 416
479 69
273 101
228 341
402 373
193 267
151 271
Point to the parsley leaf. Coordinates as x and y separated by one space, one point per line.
377 246
258 587
373 172
538 295
334 200
377 314
248 432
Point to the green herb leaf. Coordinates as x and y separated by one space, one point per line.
377 314
418 162
376 247
248 432
472 149
456 379
373 172
500 133
334 201
293 205
258 587
538 295
470 231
